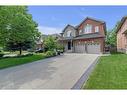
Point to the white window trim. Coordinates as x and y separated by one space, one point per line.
63 35
96 28
88 29
69 33
80 32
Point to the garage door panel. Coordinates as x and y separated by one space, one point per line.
88 48
79 48
93 48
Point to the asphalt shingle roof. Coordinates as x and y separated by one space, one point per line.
91 35
84 36
121 23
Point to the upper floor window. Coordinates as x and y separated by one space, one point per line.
96 28
63 35
88 28
69 33
80 32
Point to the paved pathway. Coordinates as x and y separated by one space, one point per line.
61 72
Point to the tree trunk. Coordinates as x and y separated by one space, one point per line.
20 51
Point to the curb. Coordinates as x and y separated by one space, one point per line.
85 76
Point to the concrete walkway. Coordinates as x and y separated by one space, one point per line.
61 72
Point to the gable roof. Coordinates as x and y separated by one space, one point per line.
121 23
87 36
76 27
90 19
67 27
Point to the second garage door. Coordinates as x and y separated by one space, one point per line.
93 48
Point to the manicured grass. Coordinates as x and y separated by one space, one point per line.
109 73
9 62
15 52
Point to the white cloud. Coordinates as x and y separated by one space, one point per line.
49 30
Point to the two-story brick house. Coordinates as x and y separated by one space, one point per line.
87 37
122 35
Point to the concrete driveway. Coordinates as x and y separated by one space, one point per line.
61 72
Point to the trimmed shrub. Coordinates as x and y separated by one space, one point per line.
30 54
50 53
60 47
42 54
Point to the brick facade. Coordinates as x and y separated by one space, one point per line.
94 24
121 36
81 40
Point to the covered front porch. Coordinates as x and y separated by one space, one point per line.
68 45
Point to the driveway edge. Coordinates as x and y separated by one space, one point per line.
85 76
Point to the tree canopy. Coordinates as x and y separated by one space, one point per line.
111 36
17 26
50 43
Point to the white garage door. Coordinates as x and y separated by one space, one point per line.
93 48
79 48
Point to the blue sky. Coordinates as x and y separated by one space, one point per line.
52 19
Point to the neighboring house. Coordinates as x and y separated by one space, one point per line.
57 36
39 44
122 35
40 41
87 37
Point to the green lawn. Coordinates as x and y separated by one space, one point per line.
15 52
109 73
9 62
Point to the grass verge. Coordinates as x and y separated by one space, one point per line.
109 73
9 62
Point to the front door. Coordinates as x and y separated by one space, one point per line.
69 45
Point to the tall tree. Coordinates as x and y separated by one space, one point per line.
17 28
111 36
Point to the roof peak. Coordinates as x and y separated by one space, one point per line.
75 27
95 19
121 23
68 26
